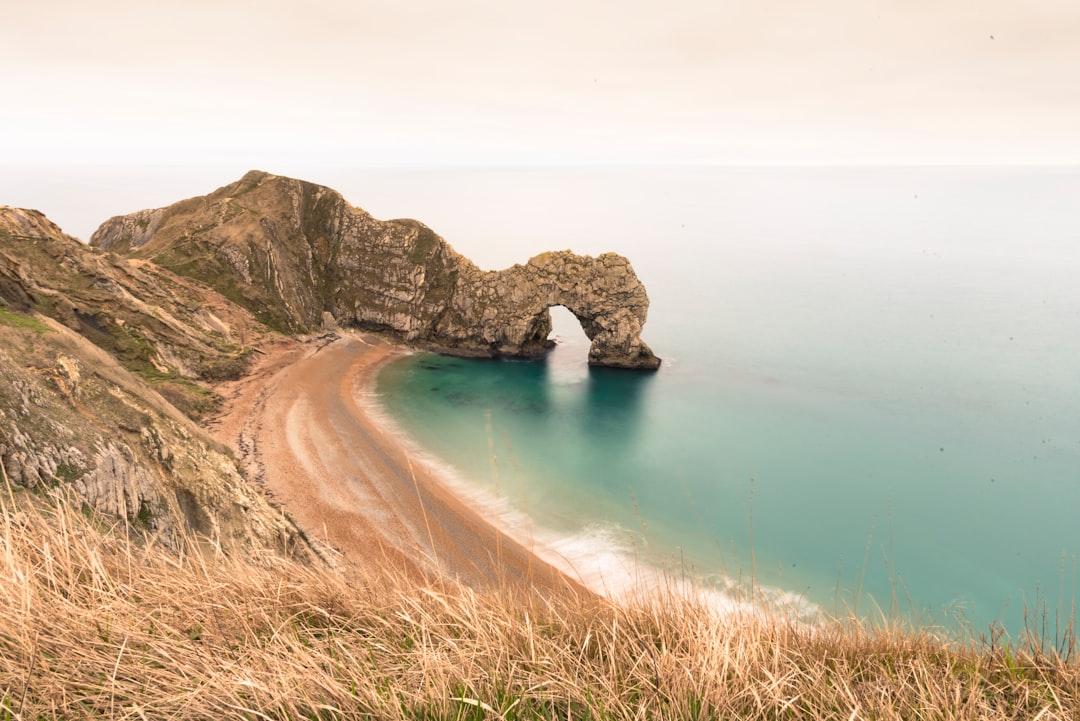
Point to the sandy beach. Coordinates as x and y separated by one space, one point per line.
300 429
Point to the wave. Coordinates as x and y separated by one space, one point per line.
605 557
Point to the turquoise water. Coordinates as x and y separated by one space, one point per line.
870 391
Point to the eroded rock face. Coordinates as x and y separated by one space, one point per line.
506 312
172 330
94 353
292 251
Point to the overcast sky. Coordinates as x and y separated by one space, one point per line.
262 84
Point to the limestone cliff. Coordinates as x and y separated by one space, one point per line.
506 312
96 354
293 252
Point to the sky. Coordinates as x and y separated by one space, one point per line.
273 84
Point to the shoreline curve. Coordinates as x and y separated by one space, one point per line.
300 432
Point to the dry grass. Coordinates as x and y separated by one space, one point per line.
92 625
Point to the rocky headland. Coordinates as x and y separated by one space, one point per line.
125 360
300 258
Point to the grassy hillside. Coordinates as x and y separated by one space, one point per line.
93 626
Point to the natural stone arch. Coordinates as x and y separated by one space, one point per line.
507 312
566 326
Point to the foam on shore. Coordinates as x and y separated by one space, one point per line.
602 557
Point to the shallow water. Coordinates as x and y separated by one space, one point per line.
869 394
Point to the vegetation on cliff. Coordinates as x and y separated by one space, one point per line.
174 332
104 365
294 252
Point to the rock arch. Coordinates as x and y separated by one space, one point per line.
507 312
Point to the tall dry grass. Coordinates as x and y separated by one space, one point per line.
95 626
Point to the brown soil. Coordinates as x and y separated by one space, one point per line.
297 425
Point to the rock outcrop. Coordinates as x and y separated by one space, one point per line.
97 353
292 251
506 312
173 331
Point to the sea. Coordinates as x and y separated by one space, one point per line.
869 402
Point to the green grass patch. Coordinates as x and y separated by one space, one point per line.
21 320
67 473
193 400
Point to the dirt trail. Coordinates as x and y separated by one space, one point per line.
298 427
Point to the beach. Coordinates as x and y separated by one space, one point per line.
874 378
302 432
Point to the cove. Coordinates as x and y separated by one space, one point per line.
868 399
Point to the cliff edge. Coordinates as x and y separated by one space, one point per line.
105 363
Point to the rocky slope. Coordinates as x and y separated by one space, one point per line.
176 332
97 354
110 355
299 256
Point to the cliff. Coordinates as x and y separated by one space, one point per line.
113 353
99 356
297 255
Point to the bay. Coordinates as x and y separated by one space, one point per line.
870 389
869 397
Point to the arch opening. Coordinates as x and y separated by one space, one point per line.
567 330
